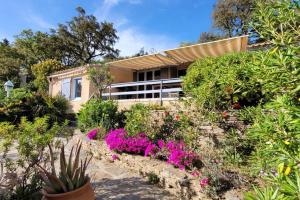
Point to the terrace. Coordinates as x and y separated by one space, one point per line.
156 77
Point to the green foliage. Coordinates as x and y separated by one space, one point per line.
72 172
10 61
286 188
84 38
99 113
232 16
137 119
30 139
152 178
209 37
100 78
276 131
268 193
42 70
278 22
23 102
218 83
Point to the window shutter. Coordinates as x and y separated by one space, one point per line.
65 88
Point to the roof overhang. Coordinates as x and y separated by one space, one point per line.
184 54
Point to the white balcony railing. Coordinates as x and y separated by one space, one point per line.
164 88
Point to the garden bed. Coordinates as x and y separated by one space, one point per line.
176 181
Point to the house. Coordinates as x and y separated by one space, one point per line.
153 78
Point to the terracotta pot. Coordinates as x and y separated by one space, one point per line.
86 192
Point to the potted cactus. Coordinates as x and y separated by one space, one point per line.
72 182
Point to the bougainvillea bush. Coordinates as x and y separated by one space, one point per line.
175 152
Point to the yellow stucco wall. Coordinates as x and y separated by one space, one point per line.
119 76
75 104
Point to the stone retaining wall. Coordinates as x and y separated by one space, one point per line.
177 182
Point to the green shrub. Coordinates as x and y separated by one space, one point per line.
218 83
99 113
138 119
276 131
30 139
24 102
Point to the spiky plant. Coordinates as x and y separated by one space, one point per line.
72 173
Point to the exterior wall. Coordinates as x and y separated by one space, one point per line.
121 75
75 104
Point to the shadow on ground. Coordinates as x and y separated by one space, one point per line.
133 188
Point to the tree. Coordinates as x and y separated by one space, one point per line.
86 39
233 16
39 46
101 78
209 36
184 44
10 62
42 70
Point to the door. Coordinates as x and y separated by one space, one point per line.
141 77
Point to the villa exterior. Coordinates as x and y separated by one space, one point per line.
148 79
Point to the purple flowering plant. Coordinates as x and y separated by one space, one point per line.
176 153
92 134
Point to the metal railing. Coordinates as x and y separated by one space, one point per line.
139 90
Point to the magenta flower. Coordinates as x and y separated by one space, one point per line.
161 144
204 182
114 157
177 153
151 150
92 134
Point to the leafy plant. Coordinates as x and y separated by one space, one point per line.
99 113
137 119
42 70
219 83
30 139
72 173
100 77
24 102
153 178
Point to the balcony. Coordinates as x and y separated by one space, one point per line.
163 89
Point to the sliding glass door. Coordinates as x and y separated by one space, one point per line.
148 76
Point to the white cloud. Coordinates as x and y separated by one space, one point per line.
132 40
131 37
103 11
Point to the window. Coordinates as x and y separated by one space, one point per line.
77 87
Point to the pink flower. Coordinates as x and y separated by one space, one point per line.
114 157
204 182
195 173
92 134
161 144
177 117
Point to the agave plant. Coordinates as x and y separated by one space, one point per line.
72 174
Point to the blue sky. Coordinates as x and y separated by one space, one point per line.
152 24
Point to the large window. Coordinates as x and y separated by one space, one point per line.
77 87
71 88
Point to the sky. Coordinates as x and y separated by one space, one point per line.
154 25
